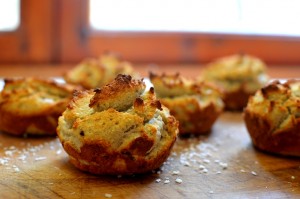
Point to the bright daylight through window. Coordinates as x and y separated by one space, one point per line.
272 17
9 15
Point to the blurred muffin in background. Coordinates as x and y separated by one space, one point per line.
238 76
96 72
272 118
32 106
195 105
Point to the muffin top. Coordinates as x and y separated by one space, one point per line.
32 96
176 86
237 71
278 103
96 72
121 117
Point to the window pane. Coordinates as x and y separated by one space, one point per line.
167 15
227 16
9 15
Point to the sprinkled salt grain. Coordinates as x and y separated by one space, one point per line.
58 152
8 153
211 192
22 157
187 164
218 172
171 159
158 180
40 158
16 169
217 161
207 155
178 180
175 172
242 170
254 173
293 177
166 181
108 195
4 161
201 167
206 161
223 165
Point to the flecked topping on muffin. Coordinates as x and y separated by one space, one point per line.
195 105
125 125
96 72
34 104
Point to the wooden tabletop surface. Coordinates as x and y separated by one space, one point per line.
223 164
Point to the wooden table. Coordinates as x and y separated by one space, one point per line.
223 164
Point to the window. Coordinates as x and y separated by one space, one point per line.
262 17
35 39
9 15
168 31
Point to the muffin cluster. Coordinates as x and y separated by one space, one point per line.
111 123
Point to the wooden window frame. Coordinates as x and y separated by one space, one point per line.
32 41
147 47
55 31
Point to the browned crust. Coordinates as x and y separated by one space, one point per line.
194 117
103 152
121 84
237 100
82 80
17 123
102 162
284 143
198 121
165 79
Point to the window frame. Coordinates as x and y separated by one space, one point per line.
170 47
32 41
61 34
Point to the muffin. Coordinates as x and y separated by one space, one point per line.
195 105
96 72
272 118
118 129
239 76
32 106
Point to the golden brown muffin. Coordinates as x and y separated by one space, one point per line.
118 129
93 73
272 118
195 105
32 106
239 76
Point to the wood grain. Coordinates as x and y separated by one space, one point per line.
39 167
